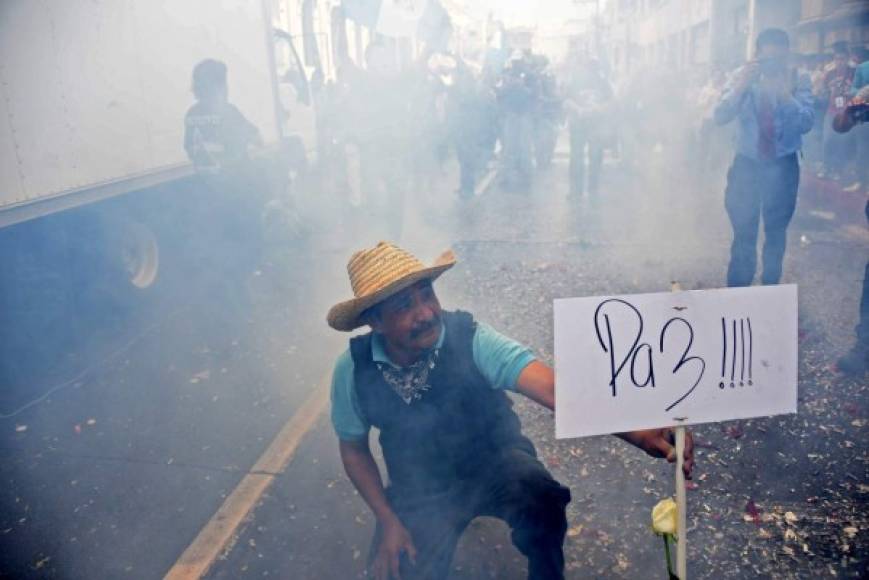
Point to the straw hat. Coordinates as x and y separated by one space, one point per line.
377 274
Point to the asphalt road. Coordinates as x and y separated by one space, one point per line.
156 420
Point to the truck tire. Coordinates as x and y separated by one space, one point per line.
139 254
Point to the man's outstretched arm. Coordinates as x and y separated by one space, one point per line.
537 382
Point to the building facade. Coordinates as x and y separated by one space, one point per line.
823 22
684 34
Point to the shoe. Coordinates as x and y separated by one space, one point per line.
853 187
856 362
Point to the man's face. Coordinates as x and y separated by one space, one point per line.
773 59
841 60
411 319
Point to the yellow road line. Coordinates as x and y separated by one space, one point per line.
214 537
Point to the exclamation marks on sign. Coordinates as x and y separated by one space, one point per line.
738 347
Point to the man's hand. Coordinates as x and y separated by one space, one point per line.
661 443
396 540
746 76
778 86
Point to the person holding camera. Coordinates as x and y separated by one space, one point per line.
838 147
773 106
855 115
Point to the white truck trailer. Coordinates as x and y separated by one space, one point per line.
95 184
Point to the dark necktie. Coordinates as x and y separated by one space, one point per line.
766 126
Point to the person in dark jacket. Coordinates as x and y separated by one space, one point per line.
588 97
471 121
218 139
517 93
217 136
434 383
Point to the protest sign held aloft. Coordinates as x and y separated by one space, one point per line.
656 360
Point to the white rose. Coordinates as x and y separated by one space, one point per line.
664 517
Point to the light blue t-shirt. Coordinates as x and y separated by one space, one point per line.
499 359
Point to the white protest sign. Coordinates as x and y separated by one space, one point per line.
646 361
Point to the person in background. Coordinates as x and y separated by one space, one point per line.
773 107
838 148
218 140
855 117
587 94
547 114
856 361
813 143
517 92
711 150
861 132
217 135
382 130
471 121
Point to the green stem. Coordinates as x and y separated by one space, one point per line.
670 574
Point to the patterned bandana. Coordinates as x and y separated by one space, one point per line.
410 382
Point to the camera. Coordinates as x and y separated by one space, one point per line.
773 66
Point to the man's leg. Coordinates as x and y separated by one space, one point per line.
435 525
863 155
518 489
577 160
526 153
595 162
467 169
509 162
828 143
742 200
856 361
779 202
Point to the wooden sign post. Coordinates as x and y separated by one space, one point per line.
681 496
647 361
681 508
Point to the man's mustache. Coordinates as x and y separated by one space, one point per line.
425 327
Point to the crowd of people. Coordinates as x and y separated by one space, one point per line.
508 112
399 125
780 114
397 122
403 122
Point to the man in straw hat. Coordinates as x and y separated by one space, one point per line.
433 382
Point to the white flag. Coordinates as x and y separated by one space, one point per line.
400 18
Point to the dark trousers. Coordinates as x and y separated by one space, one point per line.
580 135
863 324
514 487
755 189
862 138
472 158
516 152
838 147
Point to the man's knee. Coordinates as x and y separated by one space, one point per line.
540 501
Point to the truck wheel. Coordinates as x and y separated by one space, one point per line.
140 254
